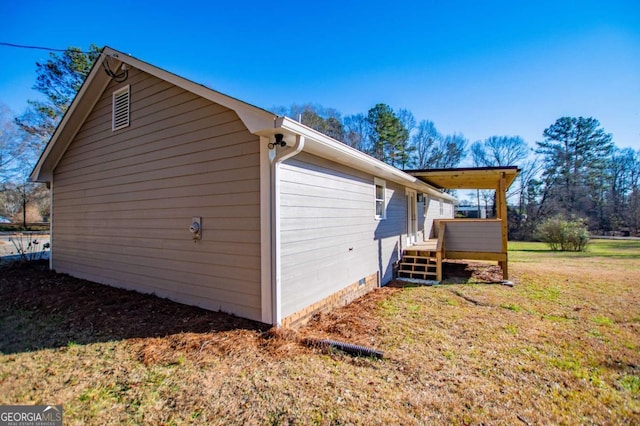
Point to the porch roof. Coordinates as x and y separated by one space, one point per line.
496 178
467 178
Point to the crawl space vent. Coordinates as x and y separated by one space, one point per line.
121 108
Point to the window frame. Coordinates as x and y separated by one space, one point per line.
425 205
377 182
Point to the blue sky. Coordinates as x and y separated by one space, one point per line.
480 68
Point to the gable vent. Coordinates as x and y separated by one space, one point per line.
120 108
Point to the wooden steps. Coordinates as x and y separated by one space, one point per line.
420 264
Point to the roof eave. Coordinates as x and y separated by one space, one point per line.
253 117
326 147
96 82
258 121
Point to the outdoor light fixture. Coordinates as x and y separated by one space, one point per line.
279 141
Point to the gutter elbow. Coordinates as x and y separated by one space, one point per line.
291 152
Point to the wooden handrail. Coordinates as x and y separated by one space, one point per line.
500 253
461 219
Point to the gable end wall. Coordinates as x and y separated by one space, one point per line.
123 201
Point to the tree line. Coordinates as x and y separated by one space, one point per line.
575 170
394 137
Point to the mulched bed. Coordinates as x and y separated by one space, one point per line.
79 311
90 312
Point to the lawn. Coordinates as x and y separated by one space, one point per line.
562 346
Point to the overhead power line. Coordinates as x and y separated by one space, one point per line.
22 46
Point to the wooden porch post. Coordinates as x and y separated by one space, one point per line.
502 215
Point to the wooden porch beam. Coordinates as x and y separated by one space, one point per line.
501 209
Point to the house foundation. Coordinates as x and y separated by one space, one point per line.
340 298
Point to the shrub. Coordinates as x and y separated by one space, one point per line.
564 235
28 248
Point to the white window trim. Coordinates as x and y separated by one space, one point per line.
379 182
425 205
122 121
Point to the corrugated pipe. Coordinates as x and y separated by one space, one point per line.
348 348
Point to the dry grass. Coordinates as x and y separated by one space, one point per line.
561 347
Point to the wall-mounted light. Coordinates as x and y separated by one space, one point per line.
279 141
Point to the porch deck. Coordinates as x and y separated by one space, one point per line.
478 239
429 245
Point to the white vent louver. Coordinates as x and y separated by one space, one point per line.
120 108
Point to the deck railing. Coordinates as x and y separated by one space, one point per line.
478 239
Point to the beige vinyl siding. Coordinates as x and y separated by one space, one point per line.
329 235
123 200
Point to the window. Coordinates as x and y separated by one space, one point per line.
120 108
381 200
441 208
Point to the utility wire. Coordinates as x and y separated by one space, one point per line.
119 77
21 46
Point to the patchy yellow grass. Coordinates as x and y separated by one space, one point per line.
560 347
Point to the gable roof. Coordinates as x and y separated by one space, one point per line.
257 120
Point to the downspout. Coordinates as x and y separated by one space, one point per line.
278 158
50 188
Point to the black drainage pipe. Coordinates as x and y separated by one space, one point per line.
348 348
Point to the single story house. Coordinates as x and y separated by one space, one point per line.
165 186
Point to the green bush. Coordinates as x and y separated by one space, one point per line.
564 235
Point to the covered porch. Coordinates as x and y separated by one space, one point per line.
472 239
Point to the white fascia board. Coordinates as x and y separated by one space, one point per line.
329 148
73 118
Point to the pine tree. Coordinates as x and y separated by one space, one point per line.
58 79
574 153
387 134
